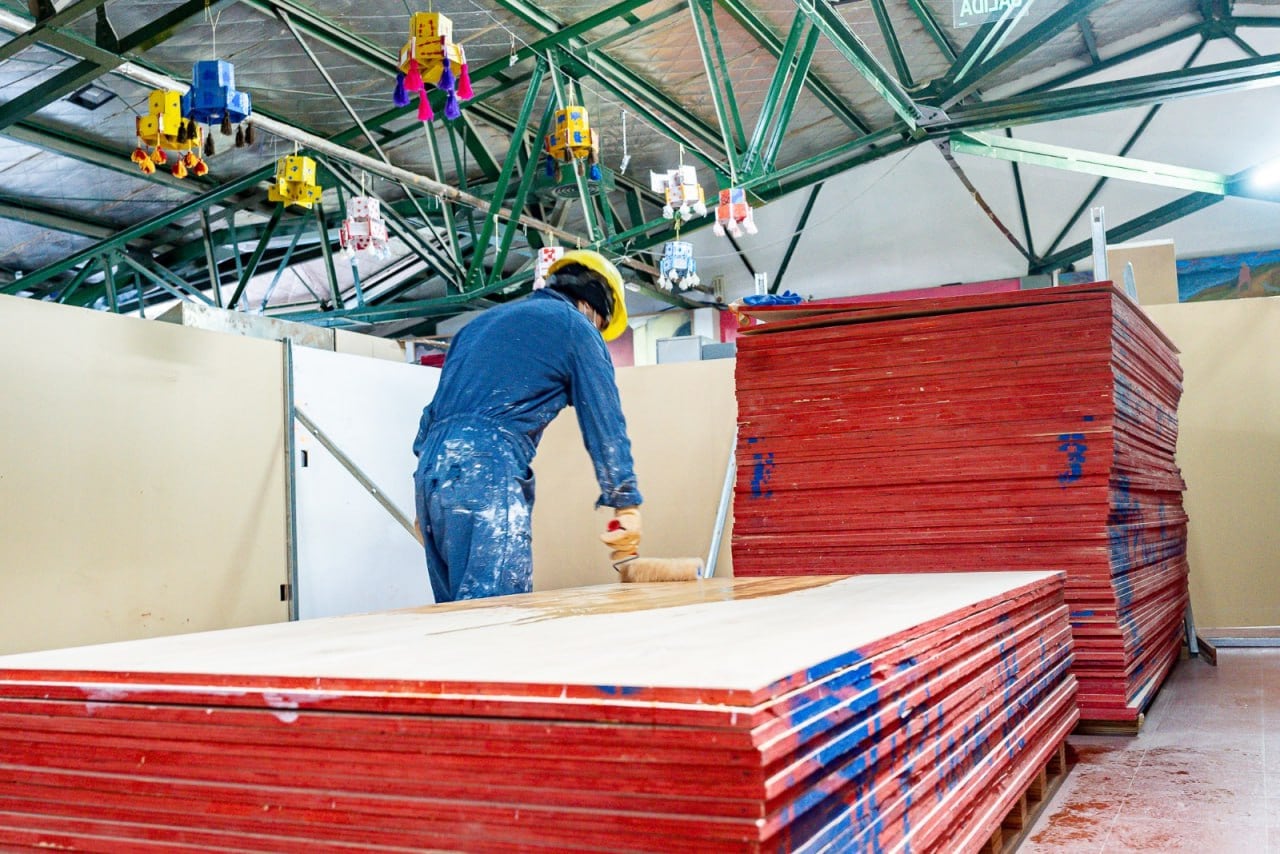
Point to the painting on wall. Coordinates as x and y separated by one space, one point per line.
1250 274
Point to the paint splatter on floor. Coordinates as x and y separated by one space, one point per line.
1203 776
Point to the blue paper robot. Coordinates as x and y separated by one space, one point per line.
213 98
677 267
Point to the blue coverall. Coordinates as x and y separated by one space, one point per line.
508 373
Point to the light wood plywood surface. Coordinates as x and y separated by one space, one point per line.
1229 452
720 633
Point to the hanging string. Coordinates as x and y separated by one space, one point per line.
212 20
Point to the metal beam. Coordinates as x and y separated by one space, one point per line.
945 149
763 33
34 213
530 167
47 91
1119 94
480 245
799 25
22 41
255 259
563 97
1090 162
327 250
789 99
36 134
930 24
1124 150
1058 22
981 44
122 237
402 228
1195 30
891 43
1162 215
719 82
845 40
604 67
795 237
342 99
211 259
1022 202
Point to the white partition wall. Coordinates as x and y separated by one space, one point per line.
353 556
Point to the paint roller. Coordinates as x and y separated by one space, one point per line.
636 569
623 536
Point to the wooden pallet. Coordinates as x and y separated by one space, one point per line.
1024 813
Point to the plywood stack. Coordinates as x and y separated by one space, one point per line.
752 714
1029 430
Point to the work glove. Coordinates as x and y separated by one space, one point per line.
622 534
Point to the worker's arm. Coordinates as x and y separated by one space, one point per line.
594 395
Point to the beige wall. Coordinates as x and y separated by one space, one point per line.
141 478
681 421
1229 451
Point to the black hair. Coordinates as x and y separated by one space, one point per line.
579 282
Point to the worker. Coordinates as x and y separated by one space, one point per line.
507 374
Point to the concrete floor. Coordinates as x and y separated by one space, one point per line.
1202 776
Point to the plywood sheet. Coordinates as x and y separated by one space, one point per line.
1027 430
1155 269
861 714
681 422
358 344
639 635
141 478
1229 450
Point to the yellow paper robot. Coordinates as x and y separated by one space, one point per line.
163 129
572 137
432 58
295 181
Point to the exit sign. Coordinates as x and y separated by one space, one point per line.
969 13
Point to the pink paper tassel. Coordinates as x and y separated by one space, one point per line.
413 80
464 83
424 108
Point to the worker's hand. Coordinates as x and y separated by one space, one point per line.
622 534
417 531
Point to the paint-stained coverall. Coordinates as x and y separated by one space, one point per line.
507 374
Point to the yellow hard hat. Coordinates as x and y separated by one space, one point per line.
598 263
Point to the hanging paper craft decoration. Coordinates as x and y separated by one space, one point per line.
213 99
682 192
295 181
733 214
570 139
677 267
164 134
364 229
547 256
431 58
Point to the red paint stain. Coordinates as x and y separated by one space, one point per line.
1075 821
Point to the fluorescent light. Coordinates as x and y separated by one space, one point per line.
1265 177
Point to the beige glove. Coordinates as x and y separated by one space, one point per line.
622 534
417 531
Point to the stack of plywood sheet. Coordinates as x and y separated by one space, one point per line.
753 714
1028 430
